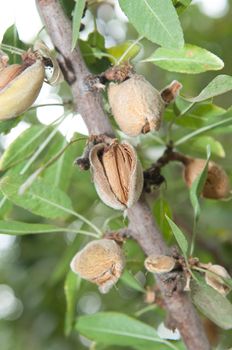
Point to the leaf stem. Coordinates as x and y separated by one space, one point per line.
2 202
145 309
192 246
186 138
34 175
129 49
43 145
12 49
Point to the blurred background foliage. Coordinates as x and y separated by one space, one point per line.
33 268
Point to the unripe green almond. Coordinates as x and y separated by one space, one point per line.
20 93
136 105
217 185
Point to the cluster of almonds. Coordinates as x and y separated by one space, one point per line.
214 274
117 172
118 176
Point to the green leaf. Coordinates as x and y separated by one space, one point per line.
160 209
77 15
201 115
156 20
131 281
228 282
71 287
191 59
5 205
11 37
212 304
119 329
59 174
23 146
119 50
200 143
227 120
180 237
181 5
18 228
197 187
218 86
39 198
7 125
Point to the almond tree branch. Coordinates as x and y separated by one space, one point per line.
142 225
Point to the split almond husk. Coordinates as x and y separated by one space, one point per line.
214 278
20 86
117 174
100 262
53 72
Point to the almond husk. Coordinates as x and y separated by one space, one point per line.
160 264
213 278
100 262
117 174
136 105
217 185
21 91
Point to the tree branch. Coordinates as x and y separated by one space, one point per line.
142 225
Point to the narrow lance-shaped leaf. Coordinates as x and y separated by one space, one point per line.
7 125
218 86
119 329
77 15
191 59
19 228
160 209
71 287
131 281
227 120
156 20
27 142
195 192
199 143
128 50
60 172
212 304
197 187
180 237
39 198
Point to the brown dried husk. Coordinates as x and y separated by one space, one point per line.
217 185
100 262
117 174
136 105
